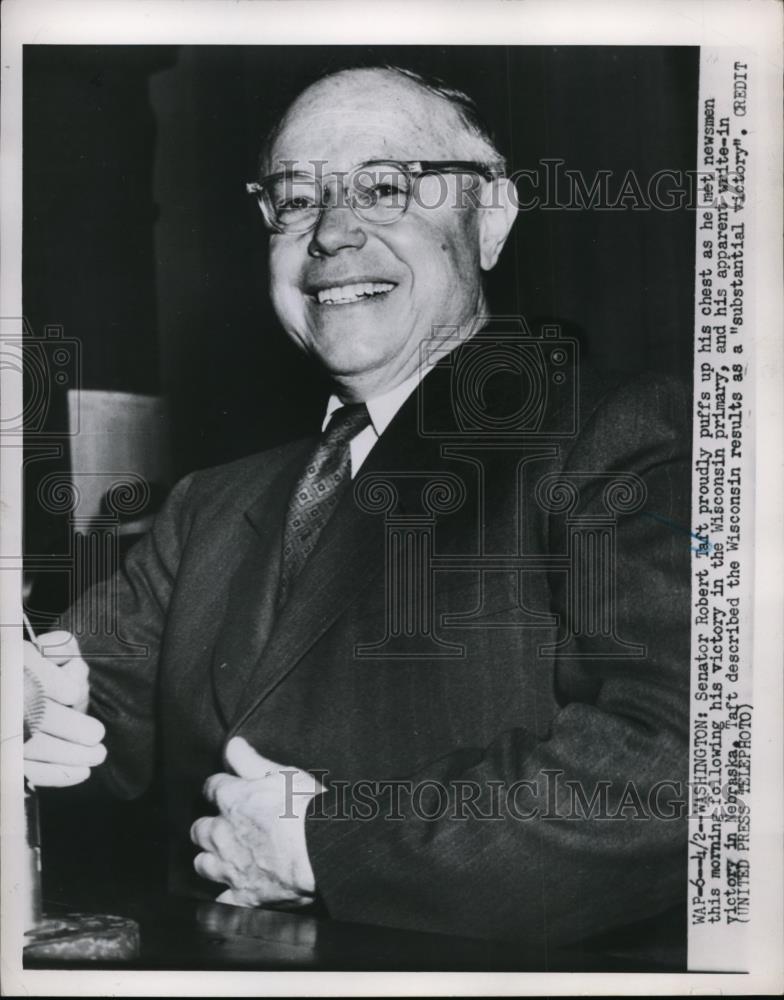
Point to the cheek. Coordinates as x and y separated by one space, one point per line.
288 306
453 240
450 263
283 272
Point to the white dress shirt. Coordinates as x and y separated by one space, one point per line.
381 409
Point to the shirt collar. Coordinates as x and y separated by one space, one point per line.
384 407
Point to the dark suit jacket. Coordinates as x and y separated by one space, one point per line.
199 656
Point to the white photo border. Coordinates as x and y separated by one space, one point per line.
753 26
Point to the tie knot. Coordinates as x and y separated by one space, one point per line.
346 422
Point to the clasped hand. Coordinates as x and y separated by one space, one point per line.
256 845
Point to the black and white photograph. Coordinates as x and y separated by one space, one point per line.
385 420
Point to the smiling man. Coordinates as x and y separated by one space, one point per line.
366 281
319 741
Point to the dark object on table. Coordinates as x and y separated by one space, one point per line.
82 937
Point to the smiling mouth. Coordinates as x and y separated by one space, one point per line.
340 295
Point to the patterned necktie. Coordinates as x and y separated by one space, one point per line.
318 490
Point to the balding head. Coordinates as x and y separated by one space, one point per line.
382 102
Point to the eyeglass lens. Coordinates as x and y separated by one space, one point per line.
377 193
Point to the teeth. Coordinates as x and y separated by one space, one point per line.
352 293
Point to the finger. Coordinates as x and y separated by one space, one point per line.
58 646
64 686
43 775
233 897
68 724
227 846
246 762
51 750
218 789
201 833
79 674
209 866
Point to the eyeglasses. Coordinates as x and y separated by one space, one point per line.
378 191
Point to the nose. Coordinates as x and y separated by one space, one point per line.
338 229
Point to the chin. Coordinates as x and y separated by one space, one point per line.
347 353
348 365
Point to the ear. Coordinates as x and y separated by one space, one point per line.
497 213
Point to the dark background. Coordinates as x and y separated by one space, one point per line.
140 241
139 238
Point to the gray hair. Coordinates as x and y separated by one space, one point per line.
466 107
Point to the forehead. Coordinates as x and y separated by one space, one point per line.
364 115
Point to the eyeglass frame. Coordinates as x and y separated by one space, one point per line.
414 168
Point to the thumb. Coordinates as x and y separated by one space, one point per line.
58 646
245 762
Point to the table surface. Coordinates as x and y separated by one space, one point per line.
189 934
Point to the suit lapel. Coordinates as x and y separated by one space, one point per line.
250 606
348 556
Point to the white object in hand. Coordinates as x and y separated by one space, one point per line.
65 742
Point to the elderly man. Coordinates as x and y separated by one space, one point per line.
510 776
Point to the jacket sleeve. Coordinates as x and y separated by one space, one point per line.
120 624
536 857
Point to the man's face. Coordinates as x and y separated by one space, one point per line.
423 269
